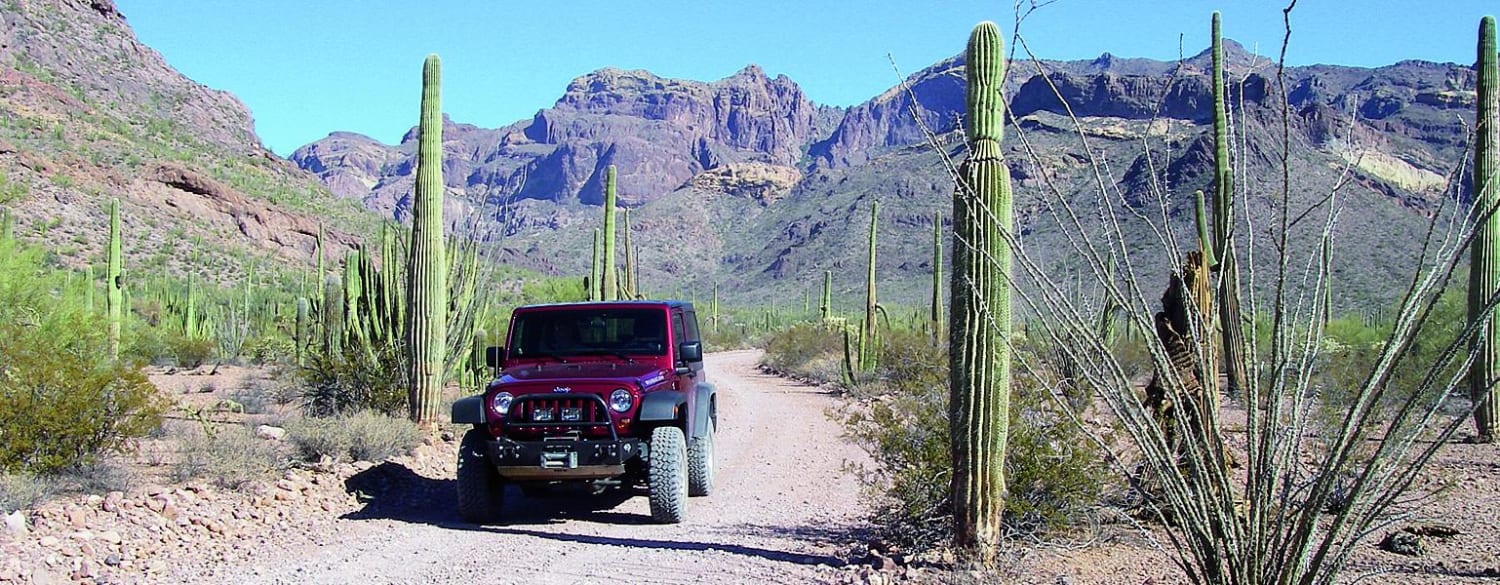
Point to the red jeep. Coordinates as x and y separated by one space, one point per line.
604 392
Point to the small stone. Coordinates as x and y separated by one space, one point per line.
447 436
171 512
110 537
287 485
77 518
1402 542
82 535
270 433
112 501
113 559
15 524
49 541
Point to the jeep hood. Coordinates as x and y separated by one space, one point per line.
641 374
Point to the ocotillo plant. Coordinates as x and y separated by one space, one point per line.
1484 256
979 334
867 334
936 312
113 281
607 288
1229 279
427 279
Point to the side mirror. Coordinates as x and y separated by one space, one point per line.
494 357
691 351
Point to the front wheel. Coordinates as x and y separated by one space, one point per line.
701 463
668 475
481 492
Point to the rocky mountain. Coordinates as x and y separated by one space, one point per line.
88 113
660 133
744 181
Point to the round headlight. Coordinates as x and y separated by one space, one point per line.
620 400
501 404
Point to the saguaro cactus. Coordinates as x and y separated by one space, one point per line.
825 308
868 335
427 279
979 333
1229 278
936 313
114 283
1484 256
592 282
608 289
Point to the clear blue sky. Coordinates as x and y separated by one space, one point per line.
309 67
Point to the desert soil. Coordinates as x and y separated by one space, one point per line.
785 510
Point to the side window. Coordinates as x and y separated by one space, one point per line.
678 332
692 327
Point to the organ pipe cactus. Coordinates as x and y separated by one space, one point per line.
1484 258
427 279
1229 279
608 285
113 281
304 325
980 328
591 284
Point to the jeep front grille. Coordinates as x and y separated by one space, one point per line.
558 414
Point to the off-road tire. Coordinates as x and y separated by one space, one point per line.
668 475
481 492
701 463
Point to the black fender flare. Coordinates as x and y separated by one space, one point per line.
662 406
705 403
469 410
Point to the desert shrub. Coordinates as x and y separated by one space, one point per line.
344 382
802 350
901 419
267 349
22 490
362 436
63 402
228 457
190 352
252 398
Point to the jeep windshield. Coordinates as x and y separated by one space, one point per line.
588 332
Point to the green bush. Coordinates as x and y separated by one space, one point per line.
803 350
339 383
900 417
362 436
63 402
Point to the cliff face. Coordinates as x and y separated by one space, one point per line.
659 132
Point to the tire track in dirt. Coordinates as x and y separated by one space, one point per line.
784 511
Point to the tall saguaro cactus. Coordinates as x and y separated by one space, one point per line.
979 333
114 283
936 313
1229 279
1484 256
825 305
867 334
592 282
427 278
608 287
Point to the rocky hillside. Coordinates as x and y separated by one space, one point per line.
744 181
88 113
660 133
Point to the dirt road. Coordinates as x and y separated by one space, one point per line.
783 512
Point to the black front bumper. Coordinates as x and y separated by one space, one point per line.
562 459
